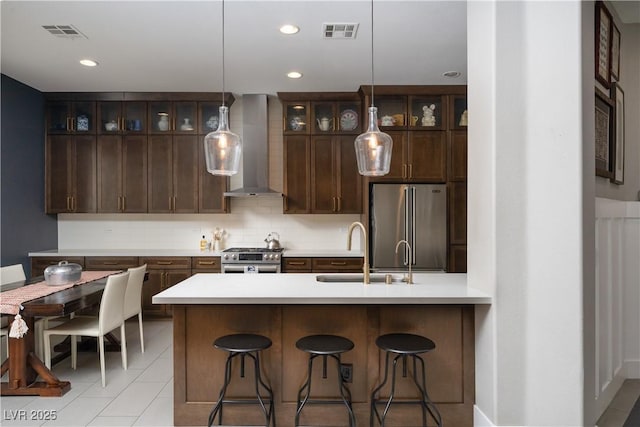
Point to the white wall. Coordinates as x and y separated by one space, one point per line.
617 297
526 207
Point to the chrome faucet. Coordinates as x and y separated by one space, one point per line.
409 278
365 243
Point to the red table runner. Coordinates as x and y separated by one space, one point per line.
11 301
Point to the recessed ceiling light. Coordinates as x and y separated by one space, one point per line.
88 62
289 29
294 74
452 74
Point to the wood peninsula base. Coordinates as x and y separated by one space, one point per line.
199 368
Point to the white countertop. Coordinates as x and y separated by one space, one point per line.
429 288
190 253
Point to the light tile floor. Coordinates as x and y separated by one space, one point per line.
621 405
143 394
140 396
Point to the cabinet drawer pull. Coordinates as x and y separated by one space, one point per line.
333 199
410 170
338 263
109 263
124 203
165 262
404 171
206 262
296 262
339 203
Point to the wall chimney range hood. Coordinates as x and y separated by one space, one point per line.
255 149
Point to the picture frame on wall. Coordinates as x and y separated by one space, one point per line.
615 52
618 146
602 33
604 135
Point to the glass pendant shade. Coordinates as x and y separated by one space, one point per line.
373 148
223 148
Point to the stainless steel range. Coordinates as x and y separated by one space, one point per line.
251 260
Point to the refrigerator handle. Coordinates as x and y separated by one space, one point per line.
407 218
413 225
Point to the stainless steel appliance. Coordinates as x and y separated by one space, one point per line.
251 260
416 213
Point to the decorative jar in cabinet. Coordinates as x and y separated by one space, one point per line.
173 117
427 112
296 117
392 111
122 117
75 117
335 117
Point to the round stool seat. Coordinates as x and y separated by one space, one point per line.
405 343
242 343
324 344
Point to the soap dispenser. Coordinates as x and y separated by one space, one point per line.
203 244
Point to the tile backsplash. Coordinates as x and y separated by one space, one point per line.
249 222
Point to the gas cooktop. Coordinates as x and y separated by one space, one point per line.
260 250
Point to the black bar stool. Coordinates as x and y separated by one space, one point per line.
244 345
326 346
403 346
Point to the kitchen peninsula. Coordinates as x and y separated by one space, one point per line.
285 307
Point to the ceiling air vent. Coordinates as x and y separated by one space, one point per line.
64 31
339 31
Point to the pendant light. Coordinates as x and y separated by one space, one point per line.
223 148
373 148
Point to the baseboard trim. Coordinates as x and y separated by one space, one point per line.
480 419
632 368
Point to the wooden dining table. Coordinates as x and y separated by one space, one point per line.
22 364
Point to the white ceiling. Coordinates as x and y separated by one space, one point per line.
176 45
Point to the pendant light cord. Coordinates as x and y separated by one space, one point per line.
372 103
223 53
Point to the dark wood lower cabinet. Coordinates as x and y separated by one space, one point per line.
322 265
199 369
164 272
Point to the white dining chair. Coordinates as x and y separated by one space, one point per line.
9 274
133 297
109 318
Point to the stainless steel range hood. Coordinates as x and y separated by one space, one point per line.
255 149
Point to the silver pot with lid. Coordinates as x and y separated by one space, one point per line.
63 273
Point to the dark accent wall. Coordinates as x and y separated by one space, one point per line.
25 226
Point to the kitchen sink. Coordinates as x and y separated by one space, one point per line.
357 278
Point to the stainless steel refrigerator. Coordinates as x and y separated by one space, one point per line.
416 213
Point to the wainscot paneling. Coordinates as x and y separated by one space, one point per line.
617 296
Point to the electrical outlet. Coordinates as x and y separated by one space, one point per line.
346 370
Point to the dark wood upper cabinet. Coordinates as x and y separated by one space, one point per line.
121 152
296 174
173 174
71 117
122 177
320 169
458 156
427 156
70 174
